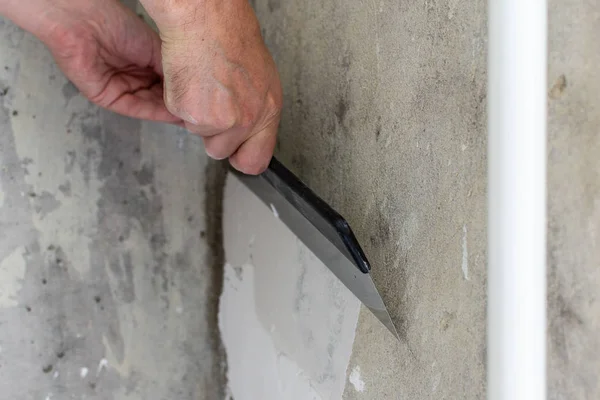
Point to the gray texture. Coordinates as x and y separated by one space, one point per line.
101 217
108 285
385 117
574 200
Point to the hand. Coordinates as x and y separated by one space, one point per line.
106 50
220 78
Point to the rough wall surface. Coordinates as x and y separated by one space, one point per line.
105 271
385 117
574 200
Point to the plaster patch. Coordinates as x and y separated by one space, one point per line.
465 254
255 371
12 271
356 380
293 303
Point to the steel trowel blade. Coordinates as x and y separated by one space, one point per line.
322 230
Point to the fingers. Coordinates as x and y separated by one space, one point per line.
223 145
144 50
254 155
137 94
144 104
221 80
207 111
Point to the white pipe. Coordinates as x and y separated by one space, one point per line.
516 352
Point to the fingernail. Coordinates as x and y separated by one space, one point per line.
213 157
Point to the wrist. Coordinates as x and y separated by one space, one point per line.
183 15
168 14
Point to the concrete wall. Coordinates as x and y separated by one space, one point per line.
385 117
109 272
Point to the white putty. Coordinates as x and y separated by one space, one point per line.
278 377
55 375
278 296
101 365
356 380
83 372
12 271
274 210
465 254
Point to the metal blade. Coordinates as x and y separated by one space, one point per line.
322 230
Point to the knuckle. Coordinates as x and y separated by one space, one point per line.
223 119
276 102
224 112
249 119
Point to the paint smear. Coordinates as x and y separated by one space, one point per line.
356 380
101 365
275 213
465 254
12 271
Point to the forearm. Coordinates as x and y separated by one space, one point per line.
42 17
28 14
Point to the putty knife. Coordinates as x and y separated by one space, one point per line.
322 230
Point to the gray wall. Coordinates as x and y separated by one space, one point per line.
385 117
109 276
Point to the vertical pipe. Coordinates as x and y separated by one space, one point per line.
516 353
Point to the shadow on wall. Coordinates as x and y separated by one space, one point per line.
215 174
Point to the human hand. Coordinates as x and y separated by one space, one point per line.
220 78
104 49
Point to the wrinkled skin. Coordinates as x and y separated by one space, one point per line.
208 71
221 79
